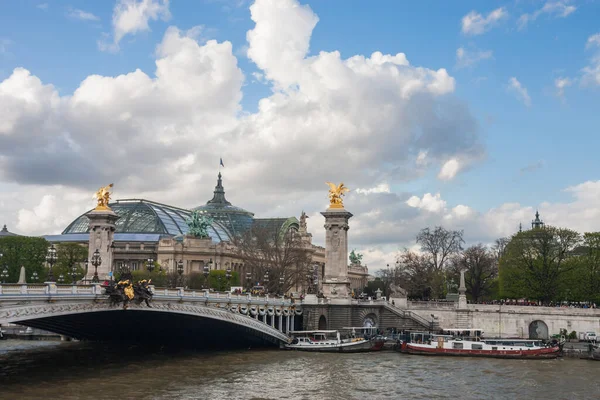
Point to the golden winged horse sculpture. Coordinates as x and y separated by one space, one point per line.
103 198
335 194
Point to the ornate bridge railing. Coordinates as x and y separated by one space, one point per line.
272 316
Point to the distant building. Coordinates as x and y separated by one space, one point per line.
148 229
5 233
537 223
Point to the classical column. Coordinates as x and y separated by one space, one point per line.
335 282
102 230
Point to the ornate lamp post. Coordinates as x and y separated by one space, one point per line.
206 272
73 274
281 282
34 277
87 262
51 258
180 270
249 281
61 278
266 281
150 264
228 277
96 262
4 275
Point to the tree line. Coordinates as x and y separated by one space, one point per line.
545 264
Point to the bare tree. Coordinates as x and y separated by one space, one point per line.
285 256
414 273
439 245
479 264
499 247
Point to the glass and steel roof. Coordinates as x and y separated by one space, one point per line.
235 219
144 216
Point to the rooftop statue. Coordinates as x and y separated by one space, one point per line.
355 258
303 220
198 224
335 194
103 198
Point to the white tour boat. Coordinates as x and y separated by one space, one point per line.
331 341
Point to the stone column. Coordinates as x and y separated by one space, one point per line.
335 282
462 290
102 230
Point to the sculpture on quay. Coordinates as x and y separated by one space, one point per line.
335 194
198 225
103 197
355 258
125 291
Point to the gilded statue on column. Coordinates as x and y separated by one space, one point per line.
335 194
103 198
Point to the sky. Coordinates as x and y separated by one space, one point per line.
466 114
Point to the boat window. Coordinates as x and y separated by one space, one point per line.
494 347
476 346
457 345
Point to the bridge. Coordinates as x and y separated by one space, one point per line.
176 315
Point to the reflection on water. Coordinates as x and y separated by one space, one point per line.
54 370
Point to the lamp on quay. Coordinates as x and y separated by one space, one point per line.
206 272
96 262
266 280
51 258
4 275
34 277
180 270
61 278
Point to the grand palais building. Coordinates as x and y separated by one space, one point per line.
151 230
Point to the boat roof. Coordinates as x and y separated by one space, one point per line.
318 331
359 327
461 330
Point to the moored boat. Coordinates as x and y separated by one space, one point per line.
331 341
450 345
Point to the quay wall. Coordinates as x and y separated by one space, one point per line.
509 320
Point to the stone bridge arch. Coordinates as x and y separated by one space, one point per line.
166 320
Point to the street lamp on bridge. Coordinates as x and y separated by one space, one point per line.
281 283
51 258
61 278
150 264
4 275
206 272
249 281
228 277
266 281
73 274
180 271
96 262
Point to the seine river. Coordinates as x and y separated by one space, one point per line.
54 370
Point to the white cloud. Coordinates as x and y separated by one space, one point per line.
392 120
132 16
81 15
557 9
468 58
449 169
429 202
476 24
42 6
560 84
519 90
381 188
591 73
593 40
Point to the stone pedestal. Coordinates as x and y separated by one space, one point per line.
335 282
102 231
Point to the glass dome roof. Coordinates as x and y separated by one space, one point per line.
235 219
144 216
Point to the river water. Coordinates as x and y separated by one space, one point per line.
75 370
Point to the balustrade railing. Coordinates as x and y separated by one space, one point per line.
51 288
